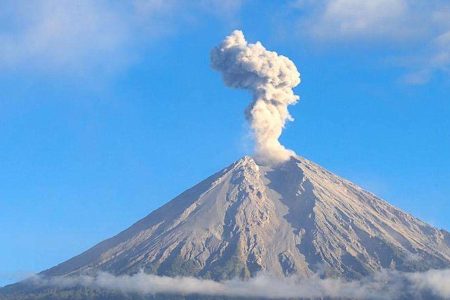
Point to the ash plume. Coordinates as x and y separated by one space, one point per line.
270 77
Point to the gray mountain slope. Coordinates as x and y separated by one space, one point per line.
292 219
295 218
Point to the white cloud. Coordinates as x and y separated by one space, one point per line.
360 19
91 35
436 58
382 285
386 20
422 27
61 35
436 281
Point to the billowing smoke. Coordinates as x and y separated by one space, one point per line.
270 77
382 285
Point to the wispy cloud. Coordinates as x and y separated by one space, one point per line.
421 26
436 58
92 36
88 35
359 20
61 35
13 276
382 285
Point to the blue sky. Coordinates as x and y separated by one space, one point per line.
109 109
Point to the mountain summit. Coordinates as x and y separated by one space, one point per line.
294 218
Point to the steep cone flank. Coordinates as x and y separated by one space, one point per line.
295 218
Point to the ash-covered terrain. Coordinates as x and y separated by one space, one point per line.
294 219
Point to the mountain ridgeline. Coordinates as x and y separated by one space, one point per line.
294 218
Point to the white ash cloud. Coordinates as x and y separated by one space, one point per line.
270 77
382 285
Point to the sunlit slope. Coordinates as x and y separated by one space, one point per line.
293 218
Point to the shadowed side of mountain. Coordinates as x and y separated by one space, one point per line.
348 232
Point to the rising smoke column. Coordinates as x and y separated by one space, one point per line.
270 77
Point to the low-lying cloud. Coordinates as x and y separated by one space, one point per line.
381 285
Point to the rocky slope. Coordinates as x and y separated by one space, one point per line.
295 218
292 219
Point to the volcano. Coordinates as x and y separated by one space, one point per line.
293 218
